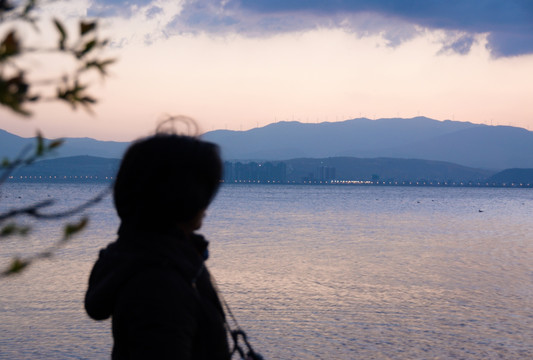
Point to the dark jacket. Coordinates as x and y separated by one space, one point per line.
159 294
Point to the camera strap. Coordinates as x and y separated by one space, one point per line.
237 333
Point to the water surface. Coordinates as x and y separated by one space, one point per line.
312 272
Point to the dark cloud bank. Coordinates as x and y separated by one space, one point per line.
508 23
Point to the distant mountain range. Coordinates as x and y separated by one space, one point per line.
508 176
386 169
463 143
11 145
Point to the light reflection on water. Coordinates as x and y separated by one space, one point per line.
316 272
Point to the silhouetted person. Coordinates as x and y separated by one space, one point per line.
152 280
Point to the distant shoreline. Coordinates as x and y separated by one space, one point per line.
389 184
95 179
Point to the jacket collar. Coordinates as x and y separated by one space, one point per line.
186 252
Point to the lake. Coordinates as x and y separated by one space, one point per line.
310 272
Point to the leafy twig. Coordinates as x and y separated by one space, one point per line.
41 149
34 210
18 264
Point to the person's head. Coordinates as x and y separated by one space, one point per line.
167 179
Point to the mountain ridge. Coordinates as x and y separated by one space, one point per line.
464 143
11 146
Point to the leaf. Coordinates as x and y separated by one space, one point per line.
55 144
86 27
9 47
39 149
62 34
14 229
71 229
16 266
75 96
7 230
99 65
87 48
14 92
29 7
87 100
70 95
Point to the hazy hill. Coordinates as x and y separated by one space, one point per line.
509 176
464 143
346 168
11 145
357 137
75 166
492 147
349 168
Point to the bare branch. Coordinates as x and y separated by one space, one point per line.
31 210
75 210
34 210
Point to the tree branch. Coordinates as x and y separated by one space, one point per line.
34 210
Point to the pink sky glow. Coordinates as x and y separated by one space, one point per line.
240 80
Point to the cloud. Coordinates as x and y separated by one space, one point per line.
111 8
153 11
458 43
228 17
506 24
135 21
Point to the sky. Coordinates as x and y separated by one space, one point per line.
239 64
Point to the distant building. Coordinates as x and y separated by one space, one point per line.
325 173
266 172
229 172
